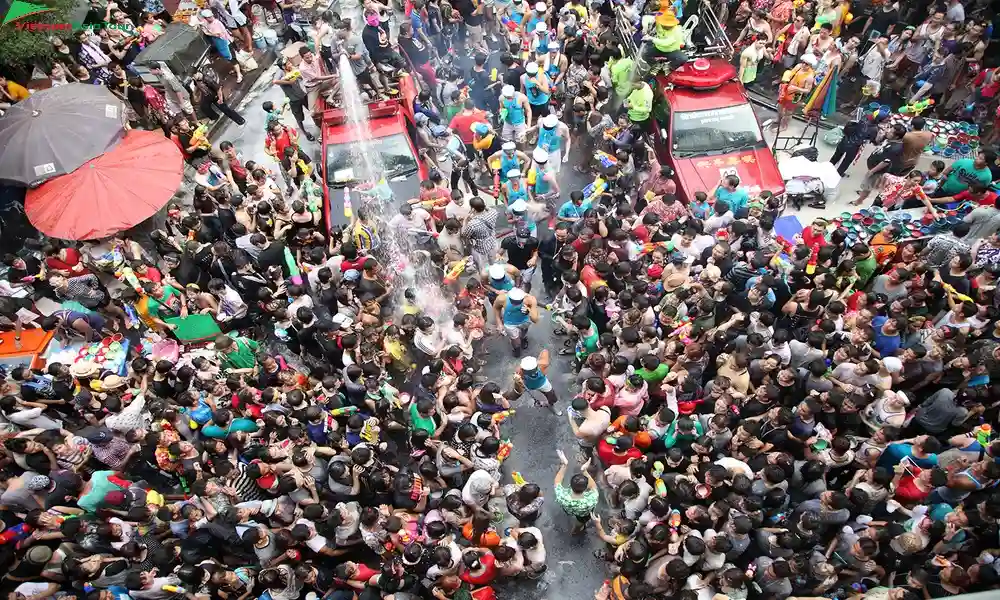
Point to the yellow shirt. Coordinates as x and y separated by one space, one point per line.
17 91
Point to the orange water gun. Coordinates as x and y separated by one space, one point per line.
505 449
456 270
503 415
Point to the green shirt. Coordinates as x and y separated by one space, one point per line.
640 103
99 488
577 506
865 268
418 422
588 345
668 40
654 376
621 75
155 305
242 355
963 173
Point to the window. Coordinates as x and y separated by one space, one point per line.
343 160
716 131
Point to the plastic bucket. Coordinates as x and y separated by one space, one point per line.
948 152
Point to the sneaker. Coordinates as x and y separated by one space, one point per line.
239 78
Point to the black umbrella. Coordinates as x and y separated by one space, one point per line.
56 130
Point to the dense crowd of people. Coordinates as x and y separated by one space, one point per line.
755 416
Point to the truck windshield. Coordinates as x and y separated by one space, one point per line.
716 131
343 160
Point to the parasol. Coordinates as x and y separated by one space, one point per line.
111 193
56 130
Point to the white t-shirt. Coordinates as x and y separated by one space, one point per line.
316 542
417 220
536 555
454 211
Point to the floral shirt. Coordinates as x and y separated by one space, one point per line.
576 506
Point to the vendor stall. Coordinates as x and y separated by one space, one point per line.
28 353
111 353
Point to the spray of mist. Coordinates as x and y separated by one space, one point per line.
406 262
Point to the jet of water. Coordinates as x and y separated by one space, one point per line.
400 248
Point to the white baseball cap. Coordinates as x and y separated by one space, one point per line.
892 364
541 28
541 7
207 13
550 121
516 295
508 90
554 46
519 206
513 174
497 271
508 146
540 155
531 67
529 363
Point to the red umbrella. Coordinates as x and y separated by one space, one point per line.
117 190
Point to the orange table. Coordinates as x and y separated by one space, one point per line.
33 344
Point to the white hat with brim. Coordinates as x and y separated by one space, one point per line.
207 13
540 155
516 295
541 7
529 363
496 271
507 91
509 146
519 206
513 174
531 67
550 121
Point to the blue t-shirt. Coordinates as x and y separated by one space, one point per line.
571 211
737 200
887 345
895 453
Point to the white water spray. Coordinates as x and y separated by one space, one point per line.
401 249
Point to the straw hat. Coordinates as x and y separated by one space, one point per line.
674 282
112 382
667 19
84 368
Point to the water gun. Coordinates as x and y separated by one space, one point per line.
456 269
505 449
503 415
509 23
127 275
915 108
983 434
951 289
659 485
518 480
370 431
605 159
15 534
594 190
344 410
418 486
199 137
649 247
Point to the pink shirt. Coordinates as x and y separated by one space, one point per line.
630 403
217 29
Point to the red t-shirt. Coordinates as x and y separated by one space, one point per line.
462 124
813 240
489 571
907 492
357 264
988 199
606 452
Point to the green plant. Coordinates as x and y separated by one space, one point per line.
21 49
